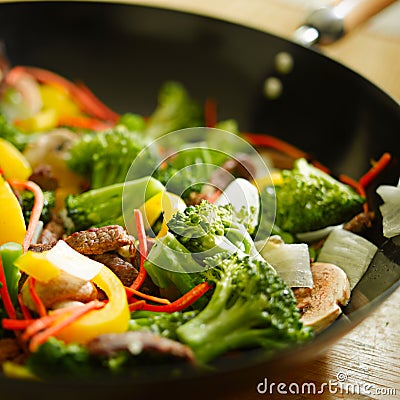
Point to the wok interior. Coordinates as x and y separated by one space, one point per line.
124 54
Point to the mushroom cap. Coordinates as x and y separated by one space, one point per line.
321 304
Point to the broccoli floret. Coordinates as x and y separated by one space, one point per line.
12 134
27 199
175 110
309 199
206 227
55 357
134 122
184 184
104 158
196 233
100 207
160 323
251 307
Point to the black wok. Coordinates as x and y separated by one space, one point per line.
124 53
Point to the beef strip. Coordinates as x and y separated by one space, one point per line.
239 167
10 350
53 231
99 240
125 271
44 177
39 247
360 223
139 343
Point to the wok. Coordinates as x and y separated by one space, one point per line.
124 53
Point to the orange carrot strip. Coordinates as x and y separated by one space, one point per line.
25 310
80 311
83 122
183 302
376 169
39 324
142 248
36 210
5 295
41 309
274 143
133 292
138 305
214 196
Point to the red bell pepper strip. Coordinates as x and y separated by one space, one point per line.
5 295
142 248
376 169
274 143
183 302
210 112
87 101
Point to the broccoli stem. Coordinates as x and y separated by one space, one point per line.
104 206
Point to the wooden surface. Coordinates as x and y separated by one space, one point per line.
370 354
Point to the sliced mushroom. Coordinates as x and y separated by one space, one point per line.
321 304
64 287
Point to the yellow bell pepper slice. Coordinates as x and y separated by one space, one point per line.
163 202
12 223
57 98
12 162
112 318
275 178
44 120
37 266
17 371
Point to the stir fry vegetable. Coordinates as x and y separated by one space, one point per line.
187 258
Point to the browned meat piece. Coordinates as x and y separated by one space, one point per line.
196 198
138 343
53 231
9 349
99 240
39 247
360 223
239 167
125 271
44 177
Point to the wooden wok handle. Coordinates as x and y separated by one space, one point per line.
355 12
327 24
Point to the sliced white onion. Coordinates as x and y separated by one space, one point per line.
390 219
351 252
319 234
291 261
389 194
66 259
390 209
